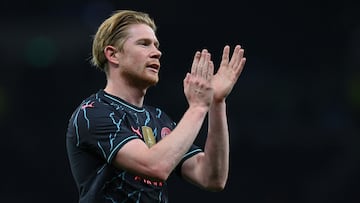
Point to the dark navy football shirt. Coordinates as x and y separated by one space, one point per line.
97 129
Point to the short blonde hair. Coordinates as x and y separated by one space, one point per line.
113 31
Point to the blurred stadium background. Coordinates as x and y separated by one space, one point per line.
294 115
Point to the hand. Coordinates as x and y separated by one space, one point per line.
197 84
228 72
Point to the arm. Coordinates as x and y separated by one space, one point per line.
210 168
160 160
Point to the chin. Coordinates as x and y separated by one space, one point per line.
152 82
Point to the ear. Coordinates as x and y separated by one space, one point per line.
110 54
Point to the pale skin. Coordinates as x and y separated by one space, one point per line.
134 69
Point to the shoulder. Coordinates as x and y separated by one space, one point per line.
94 102
95 106
159 114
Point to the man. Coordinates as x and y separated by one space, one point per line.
121 150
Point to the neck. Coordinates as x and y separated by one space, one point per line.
130 94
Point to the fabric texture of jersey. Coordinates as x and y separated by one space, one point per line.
97 129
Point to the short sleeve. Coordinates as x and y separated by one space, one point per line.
194 149
102 130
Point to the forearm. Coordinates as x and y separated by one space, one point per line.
217 143
172 148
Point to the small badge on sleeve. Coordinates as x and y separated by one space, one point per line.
148 136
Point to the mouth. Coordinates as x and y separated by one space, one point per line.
154 67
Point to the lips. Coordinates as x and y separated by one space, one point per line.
154 66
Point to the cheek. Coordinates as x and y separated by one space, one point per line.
134 59
128 61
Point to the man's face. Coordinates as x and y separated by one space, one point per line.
139 59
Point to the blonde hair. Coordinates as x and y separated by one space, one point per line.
113 31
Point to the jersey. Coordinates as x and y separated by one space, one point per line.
97 130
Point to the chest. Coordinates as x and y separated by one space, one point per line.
149 126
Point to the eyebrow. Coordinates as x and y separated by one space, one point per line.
156 42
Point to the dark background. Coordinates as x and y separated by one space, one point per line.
294 114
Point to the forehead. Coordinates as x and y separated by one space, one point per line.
141 31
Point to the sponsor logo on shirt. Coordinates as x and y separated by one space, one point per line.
149 182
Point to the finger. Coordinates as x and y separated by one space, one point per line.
186 84
236 57
195 62
186 79
205 68
225 55
202 63
210 72
240 67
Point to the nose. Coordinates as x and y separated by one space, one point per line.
156 53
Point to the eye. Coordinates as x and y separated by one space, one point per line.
144 42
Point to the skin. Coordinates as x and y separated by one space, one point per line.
135 68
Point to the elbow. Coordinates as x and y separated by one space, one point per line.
161 176
216 187
160 172
216 184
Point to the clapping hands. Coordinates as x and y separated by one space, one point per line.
202 86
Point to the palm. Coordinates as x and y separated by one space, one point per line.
228 72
